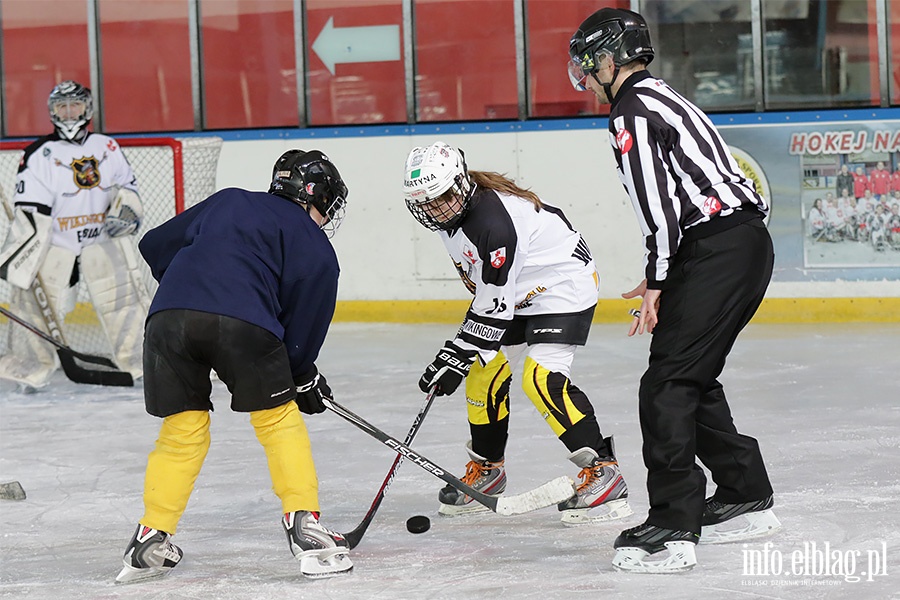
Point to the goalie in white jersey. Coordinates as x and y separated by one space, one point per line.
75 195
535 288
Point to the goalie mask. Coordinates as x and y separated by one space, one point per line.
311 179
618 33
71 109
437 187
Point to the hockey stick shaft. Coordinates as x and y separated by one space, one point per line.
552 492
355 536
67 357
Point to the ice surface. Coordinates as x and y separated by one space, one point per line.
823 400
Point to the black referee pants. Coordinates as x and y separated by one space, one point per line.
714 287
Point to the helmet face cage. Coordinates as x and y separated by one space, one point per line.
71 108
436 187
311 179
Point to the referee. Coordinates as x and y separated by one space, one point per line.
708 261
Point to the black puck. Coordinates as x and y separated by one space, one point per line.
418 524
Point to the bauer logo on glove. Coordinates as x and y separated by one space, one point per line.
449 368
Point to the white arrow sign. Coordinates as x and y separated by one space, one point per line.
357 44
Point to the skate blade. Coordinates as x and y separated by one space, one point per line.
315 565
614 510
130 574
680 557
748 526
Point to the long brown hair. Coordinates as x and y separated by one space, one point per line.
501 183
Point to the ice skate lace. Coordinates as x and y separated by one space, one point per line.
475 470
589 475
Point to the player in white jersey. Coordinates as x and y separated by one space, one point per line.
535 288
75 196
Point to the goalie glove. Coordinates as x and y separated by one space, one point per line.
311 389
449 368
124 214
26 246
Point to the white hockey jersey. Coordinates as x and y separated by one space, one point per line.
73 184
518 261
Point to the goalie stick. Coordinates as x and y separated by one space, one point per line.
548 494
354 537
67 358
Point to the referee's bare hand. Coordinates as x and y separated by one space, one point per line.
645 319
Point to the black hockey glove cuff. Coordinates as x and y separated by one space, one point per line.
311 389
449 368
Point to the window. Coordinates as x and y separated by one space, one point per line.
249 64
146 63
355 62
550 27
40 48
704 50
466 60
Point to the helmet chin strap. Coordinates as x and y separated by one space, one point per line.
607 87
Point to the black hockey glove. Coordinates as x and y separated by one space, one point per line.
311 388
449 368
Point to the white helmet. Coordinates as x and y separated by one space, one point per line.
430 174
71 109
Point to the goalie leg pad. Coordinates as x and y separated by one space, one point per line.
26 247
119 299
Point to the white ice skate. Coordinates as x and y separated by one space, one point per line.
483 475
321 552
149 554
602 495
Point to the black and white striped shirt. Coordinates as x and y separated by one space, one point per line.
676 168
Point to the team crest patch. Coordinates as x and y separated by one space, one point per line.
469 255
498 257
86 171
711 205
624 141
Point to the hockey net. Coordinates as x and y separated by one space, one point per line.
172 174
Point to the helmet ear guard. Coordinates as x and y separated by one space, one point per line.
311 179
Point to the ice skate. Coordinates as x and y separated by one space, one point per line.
321 552
483 475
651 549
724 523
149 554
602 494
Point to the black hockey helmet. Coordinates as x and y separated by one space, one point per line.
621 33
71 107
310 178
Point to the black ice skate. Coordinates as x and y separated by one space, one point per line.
149 554
724 522
651 549
602 494
321 552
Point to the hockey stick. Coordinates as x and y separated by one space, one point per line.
548 494
354 537
67 357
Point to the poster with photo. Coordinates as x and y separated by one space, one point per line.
835 195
